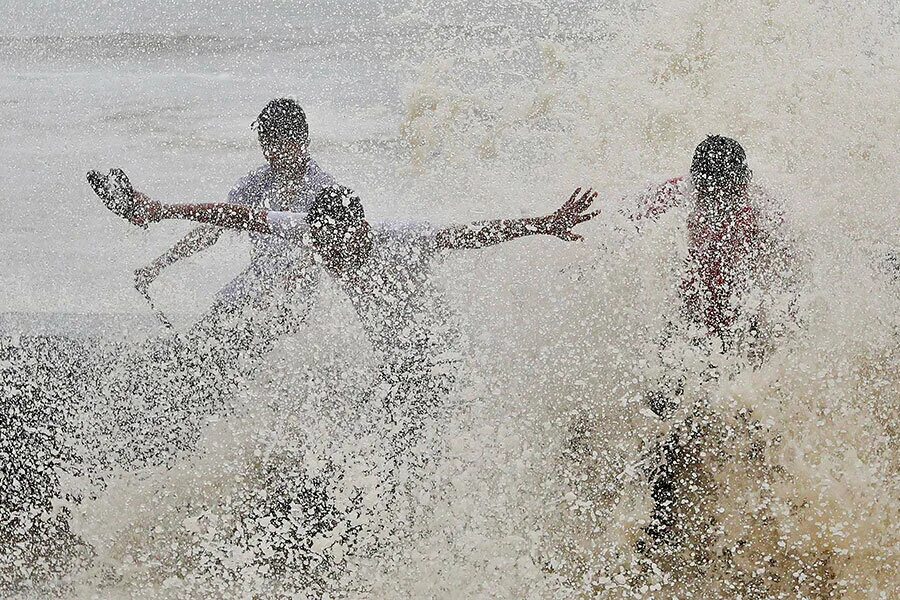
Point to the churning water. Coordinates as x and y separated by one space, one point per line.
150 469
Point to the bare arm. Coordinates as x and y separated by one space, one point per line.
227 216
488 233
142 210
119 196
215 218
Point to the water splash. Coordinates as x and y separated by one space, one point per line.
541 486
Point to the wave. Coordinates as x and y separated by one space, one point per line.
541 482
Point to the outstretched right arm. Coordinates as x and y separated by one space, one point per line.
227 216
119 196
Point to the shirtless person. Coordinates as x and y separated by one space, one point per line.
280 278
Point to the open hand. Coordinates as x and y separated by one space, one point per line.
570 214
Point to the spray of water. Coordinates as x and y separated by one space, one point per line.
538 484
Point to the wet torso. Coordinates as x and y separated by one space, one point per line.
723 250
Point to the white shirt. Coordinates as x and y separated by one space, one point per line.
274 262
403 314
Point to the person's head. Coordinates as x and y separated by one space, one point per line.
284 136
719 171
340 233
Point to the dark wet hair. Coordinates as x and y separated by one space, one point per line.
720 164
335 205
282 119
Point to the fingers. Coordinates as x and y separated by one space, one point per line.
97 181
586 200
569 236
121 180
581 200
116 193
571 213
587 217
574 201
100 185
572 197
576 204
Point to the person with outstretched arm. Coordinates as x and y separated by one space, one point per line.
280 279
384 268
335 226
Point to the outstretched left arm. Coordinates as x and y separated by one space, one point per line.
488 233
